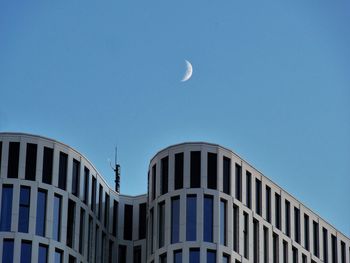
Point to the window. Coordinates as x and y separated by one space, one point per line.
58 256
86 185
266 245
316 239
122 254
6 208
275 248
47 165
225 258
110 251
258 196
194 255
208 219
93 194
287 217
128 219
256 247
137 254
278 211
0 155
162 258
26 252
268 204
161 224
164 175
285 251
195 169
57 217
226 180
334 249
175 220
24 207
297 225
191 218
295 254
235 228
246 235
212 170
115 218
154 181
62 172
106 214
41 213
71 259
151 219
177 256
71 223
76 178
211 256
97 241
43 253
100 202
325 245
7 251
238 182
89 239
142 220
304 258
30 168
81 231
248 182
12 166
179 170
223 223
306 232
343 252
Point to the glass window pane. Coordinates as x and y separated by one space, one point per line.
47 165
6 208
30 168
161 224
226 176
195 177
58 256
223 216
41 213
178 256
175 220
62 173
211 256
179 170
24 202
7 251
194 255
26 252
76 178
13 159
70 223
191 218
42 257
57 218
208 219
212 171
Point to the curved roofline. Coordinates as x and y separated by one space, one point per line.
66 145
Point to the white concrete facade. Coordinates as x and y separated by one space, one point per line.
120 228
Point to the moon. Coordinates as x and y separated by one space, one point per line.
189 71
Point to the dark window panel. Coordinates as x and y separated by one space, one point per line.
194 255
0 155
122 254
57 207
316 239
58 256
47 165
343 252
70 223
226 180
268 204
62 172
297 225
246 235
13 160
6 208
86 185
275 248
295 254
258 196
31 156
82 231
287 217
179 170
76 178
191 218
334 249
212 170
235 228
306 232
93 194
71 259
43 253
128 219
41 213
142 220
238 183
208 219
256 237
26 251
278 210
7 251
164 175
211 256
161 224
154 181
266 245
100 196
115 218
177 256
106 212
163 258
24 207
151 219
223 222
137 254
175 220
195 177
248 189
285 251
325 245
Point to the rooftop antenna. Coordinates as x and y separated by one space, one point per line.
116 169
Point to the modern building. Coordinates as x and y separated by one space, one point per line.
204 204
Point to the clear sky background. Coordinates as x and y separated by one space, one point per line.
271 82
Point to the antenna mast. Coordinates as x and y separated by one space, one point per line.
116 170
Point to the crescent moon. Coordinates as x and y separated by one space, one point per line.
188 72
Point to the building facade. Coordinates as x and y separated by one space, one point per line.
204 204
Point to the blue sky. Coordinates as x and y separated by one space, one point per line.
271 82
